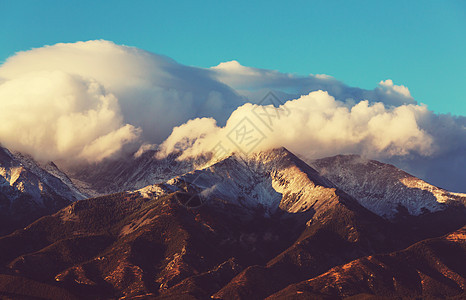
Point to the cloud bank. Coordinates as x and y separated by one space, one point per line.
77 100
315 125
88 101
55 115
254 84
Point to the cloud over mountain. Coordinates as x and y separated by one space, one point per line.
86 101
254 83
55 115
315 125
78 99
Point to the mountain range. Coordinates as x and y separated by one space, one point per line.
29 190
263 225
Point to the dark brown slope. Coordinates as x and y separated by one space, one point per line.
431 269
341 233
21 288
125 245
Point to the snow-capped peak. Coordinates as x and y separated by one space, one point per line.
383 188
268 180
21 175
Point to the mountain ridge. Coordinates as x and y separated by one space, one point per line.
383 188
29 190
265 223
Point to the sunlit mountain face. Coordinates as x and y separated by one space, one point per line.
247 226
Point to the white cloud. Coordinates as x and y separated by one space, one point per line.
315 125
323 76
389 87
193 138
67 101
431 146
54 115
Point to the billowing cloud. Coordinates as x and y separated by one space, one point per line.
154 92
314 125
317 125
55 115
89 99
445 167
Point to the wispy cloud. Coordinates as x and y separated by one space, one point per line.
254 82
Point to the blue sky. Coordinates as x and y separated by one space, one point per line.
420 44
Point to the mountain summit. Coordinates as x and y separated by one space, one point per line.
29 190
243 227
383 188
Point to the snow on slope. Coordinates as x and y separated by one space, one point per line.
131 173
267 180
277 179
21 176
383 188
51 175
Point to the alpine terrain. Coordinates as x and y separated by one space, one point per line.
264 225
